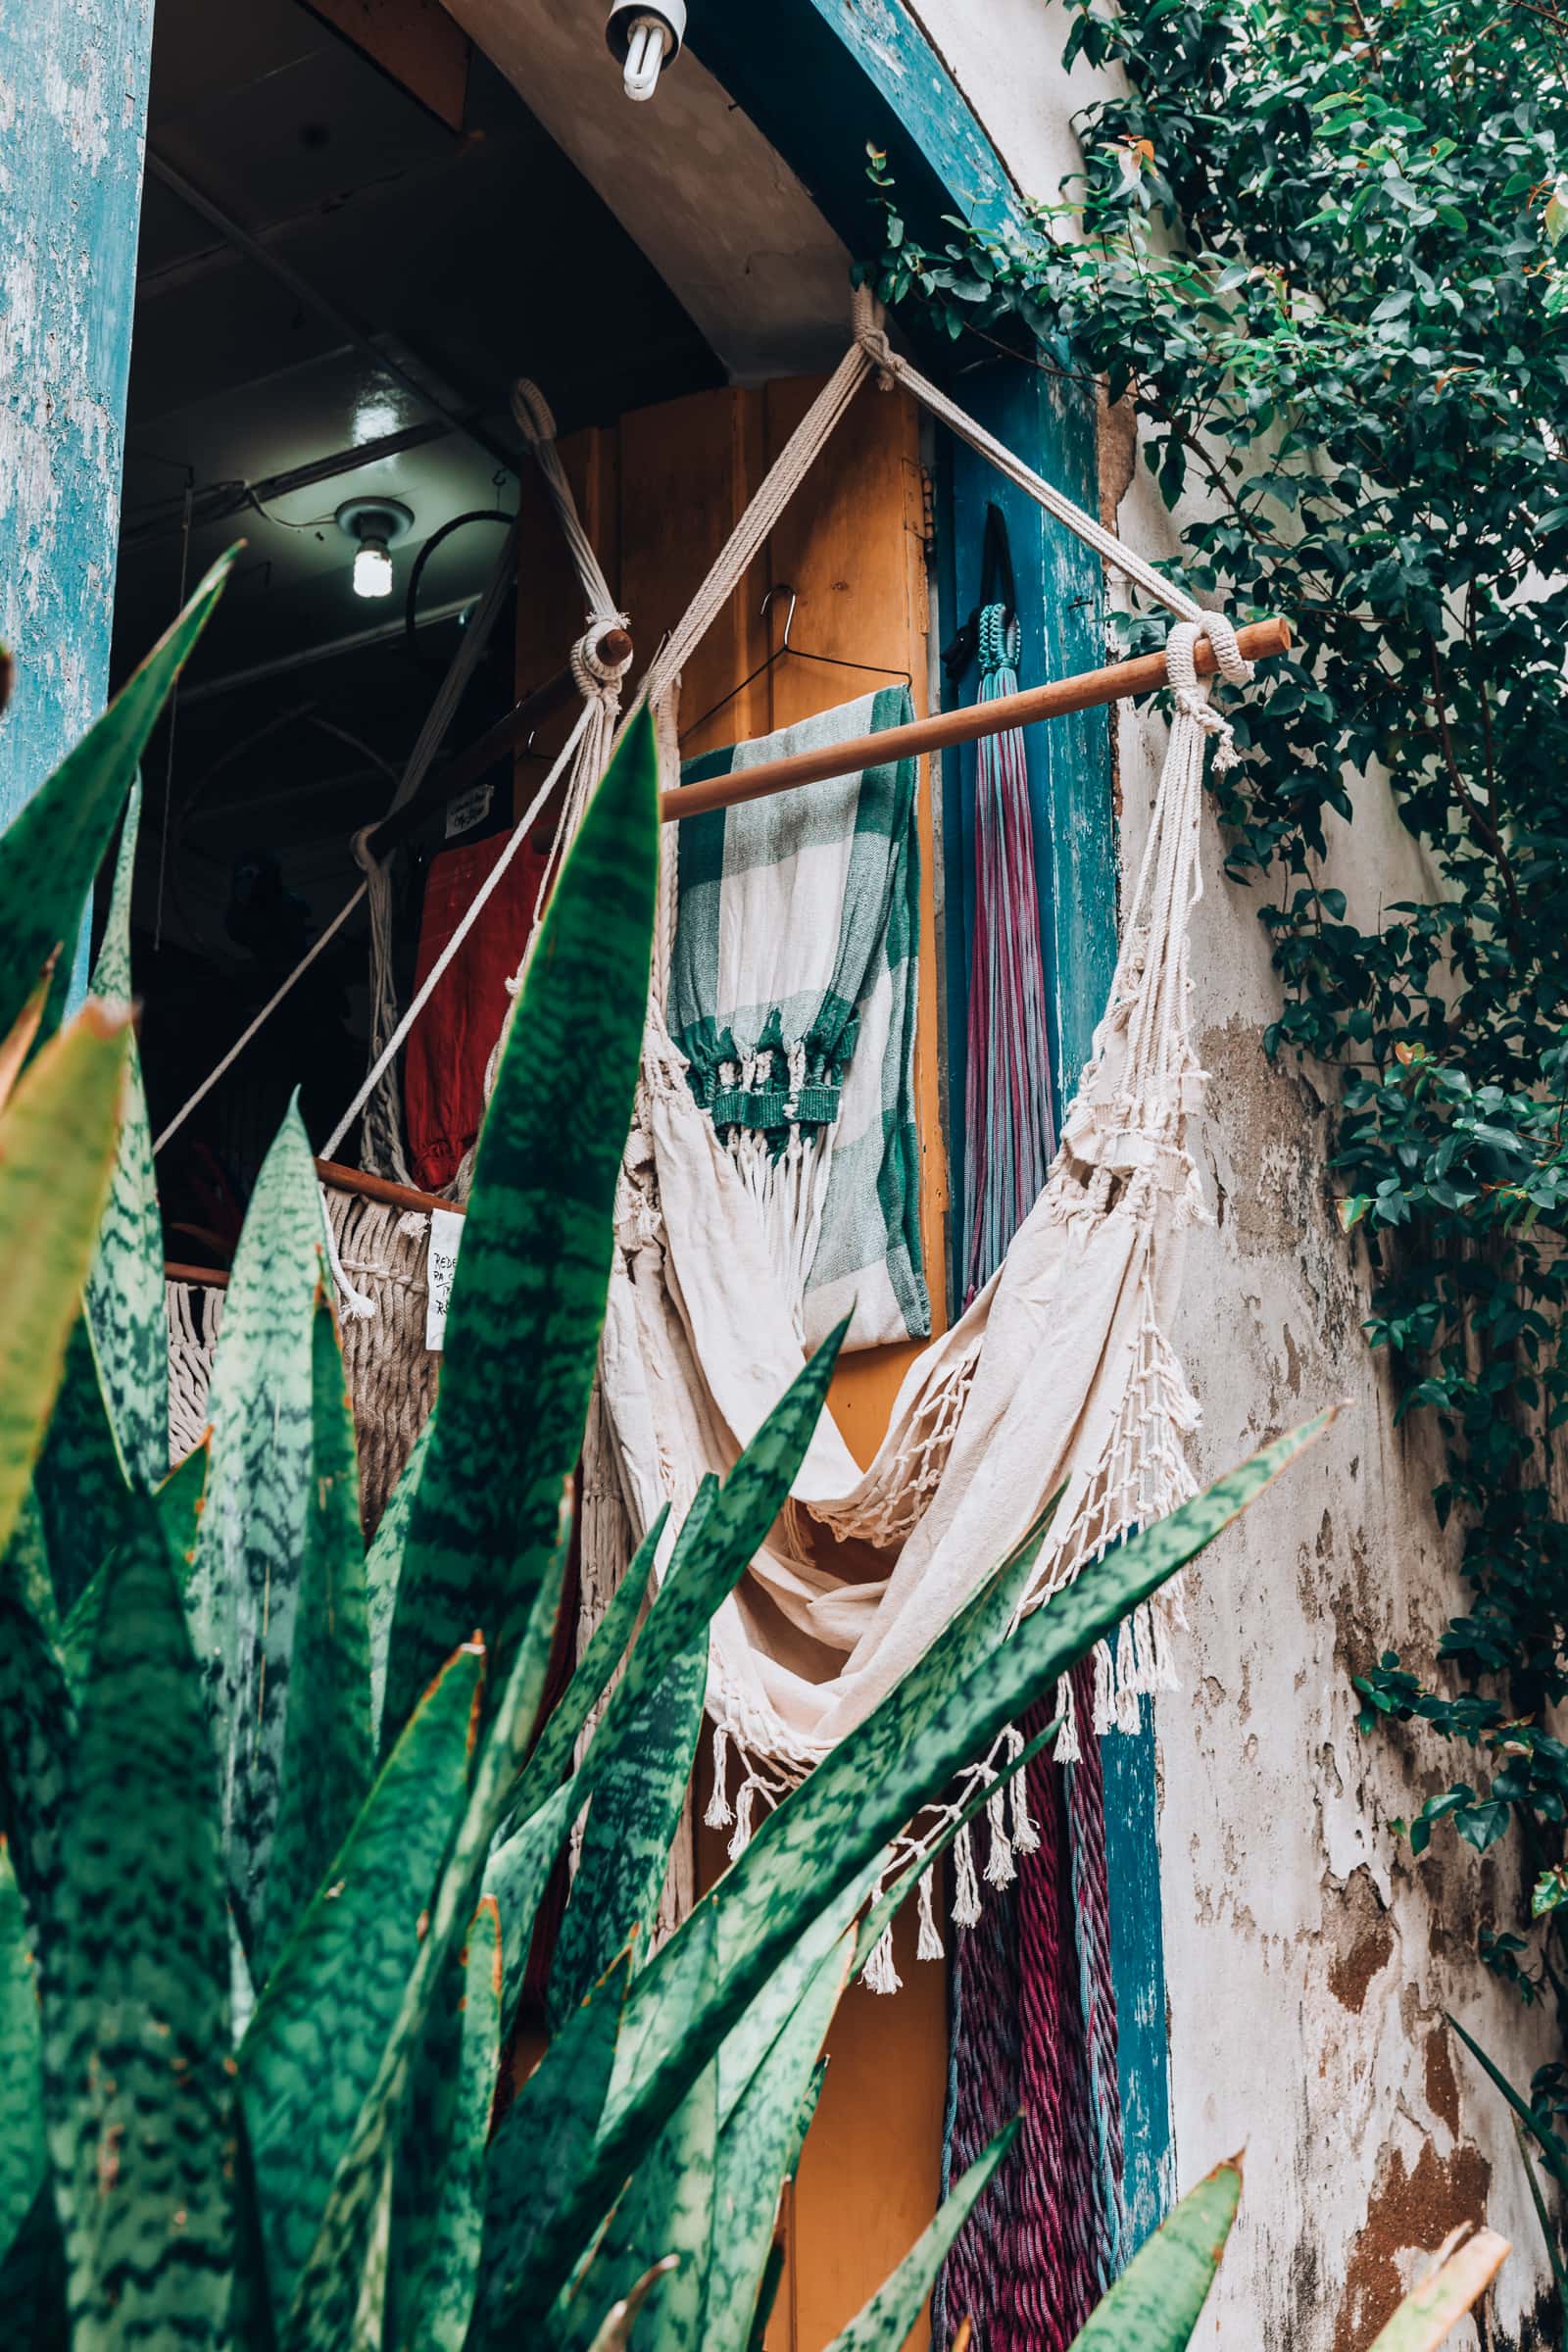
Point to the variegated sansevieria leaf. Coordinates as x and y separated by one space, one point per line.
528 1298
140 2093
79 1477
886 2323
321 2308
329 1759
383 1567
1156 2302
23 1035
668 2207
37 1717
125 1287
621 2318
1462 2269
444 2150
53 847
57 1148
323 2019
21 2148
758 2149
251 1544
948 1710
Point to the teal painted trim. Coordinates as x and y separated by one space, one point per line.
73 100
821 79
1061 614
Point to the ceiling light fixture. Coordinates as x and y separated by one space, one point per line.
644 40
375 525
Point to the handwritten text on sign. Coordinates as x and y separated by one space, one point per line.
446 1236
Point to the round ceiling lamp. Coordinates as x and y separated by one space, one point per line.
375 525
642 40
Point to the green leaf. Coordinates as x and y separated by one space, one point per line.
758 2150
885 2323
323 2021
545 2140
80 1478
21 2145
140 2092
53 847
328 1757
383 1567
1550 2147
529 1298
515 1876
633 1819
251 1541
38 1717
1156 2302
615 2334
125 1288
1432 2311
439 2204
57 1147
181 1498
669 2208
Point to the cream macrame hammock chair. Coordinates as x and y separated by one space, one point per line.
1060 1375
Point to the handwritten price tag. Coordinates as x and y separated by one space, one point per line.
446 1238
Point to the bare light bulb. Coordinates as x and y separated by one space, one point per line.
372 569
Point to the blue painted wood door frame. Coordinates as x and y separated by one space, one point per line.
823 79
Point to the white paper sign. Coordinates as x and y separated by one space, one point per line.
471 807
441 1263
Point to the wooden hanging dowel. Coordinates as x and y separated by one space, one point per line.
1259 642
381 1188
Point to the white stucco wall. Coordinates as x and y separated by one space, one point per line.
1309 1964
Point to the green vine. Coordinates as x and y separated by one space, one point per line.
1315 246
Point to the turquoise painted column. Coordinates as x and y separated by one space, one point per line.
73 124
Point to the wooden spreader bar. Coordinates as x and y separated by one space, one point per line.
1259 642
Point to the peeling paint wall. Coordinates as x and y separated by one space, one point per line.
1309 1963
73 120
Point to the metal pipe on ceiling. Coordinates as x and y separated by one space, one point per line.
285 665
221 500
254 251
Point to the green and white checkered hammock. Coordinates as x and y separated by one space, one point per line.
792 997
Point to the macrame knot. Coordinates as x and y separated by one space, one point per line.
535 420
870 333
590 674
1192 692
364 856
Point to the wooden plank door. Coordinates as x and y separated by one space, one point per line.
659 492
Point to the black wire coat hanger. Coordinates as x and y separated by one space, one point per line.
801 652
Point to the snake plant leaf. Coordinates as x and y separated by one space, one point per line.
38 1717
1432 2311
766 2295
885 2323
949 1709
80 1482
125 1288
634 1819
606 1645
748 2047
33 2281
178 1501
244 1585
329 1756
545 2139
1550 2147
323 2017
383 1566
615 2334
57 1150
669 2208
22 2156
53 847
320 2311
140 2095
24 1033
450 2138
181 1497
515 1876
1156 2301
758 2150
529 1298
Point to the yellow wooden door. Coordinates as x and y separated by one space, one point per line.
659 493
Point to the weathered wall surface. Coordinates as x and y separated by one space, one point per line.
1309 1964
73 117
